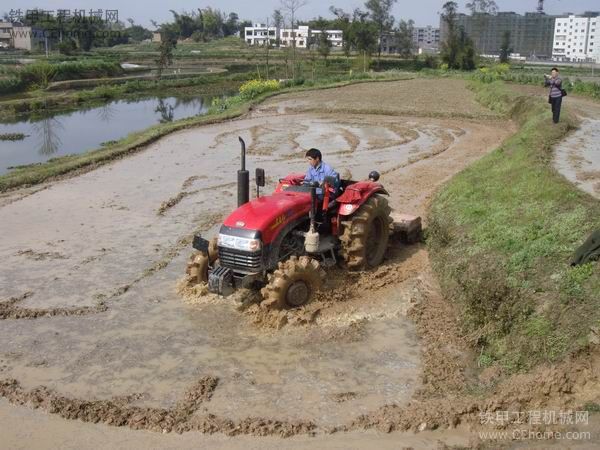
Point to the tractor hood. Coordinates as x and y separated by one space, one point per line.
270 213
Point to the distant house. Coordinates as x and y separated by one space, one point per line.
5 34
301 35
156 37
336 37
260 34
15 35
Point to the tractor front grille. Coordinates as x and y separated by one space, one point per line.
238 260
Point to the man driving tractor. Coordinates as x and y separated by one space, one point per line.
318 170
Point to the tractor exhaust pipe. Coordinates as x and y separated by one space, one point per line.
243 178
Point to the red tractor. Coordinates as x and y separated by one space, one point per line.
282 242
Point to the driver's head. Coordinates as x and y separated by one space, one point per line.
313 156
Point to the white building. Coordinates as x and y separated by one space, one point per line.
300 34
336 37
577 38
259 33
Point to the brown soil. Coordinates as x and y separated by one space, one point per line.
10 310
443 98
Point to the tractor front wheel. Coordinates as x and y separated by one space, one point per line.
197 267
365 236
293 284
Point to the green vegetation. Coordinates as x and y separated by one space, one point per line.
505 72
12 136
41 73
501 234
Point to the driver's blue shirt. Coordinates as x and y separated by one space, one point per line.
319 173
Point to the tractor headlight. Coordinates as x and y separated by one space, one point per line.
239 243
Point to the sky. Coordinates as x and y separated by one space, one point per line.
423 12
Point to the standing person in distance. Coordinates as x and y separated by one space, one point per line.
556 93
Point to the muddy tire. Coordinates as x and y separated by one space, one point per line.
365 236
197 268
293 284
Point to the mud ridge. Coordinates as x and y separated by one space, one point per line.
166 205
10 310
119 412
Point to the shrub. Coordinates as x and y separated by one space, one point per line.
39 74
10 85
254 88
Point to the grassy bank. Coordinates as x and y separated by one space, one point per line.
237 106
501 236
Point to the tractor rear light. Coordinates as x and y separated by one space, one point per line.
239 243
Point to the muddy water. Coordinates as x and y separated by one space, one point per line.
119 235
578 157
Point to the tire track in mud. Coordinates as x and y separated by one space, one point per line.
10 310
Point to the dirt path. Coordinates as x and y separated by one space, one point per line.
89 267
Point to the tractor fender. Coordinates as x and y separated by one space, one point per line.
356 194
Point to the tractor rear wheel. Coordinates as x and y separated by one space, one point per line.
365 236
293 284
197 267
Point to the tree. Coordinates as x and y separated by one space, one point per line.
168 42
458 50
380 13
363 35
505 48
137 32
342 22
404 38
450 44
323 44
231 26
482 6
292 7
212 19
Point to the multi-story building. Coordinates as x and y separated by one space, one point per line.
531 34
577 38
336 37
259 34
301 35
426 39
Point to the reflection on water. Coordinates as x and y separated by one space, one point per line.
47 131
165 110
106 113
86 129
